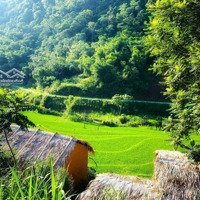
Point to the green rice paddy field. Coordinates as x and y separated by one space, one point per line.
123 150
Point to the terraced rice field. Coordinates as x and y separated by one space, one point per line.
123 150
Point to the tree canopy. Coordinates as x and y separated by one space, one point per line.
174 39
93 43
11 105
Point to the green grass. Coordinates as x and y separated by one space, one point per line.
123 150
37 182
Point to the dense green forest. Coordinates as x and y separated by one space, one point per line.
81 47
97 70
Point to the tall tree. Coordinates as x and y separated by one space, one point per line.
174 39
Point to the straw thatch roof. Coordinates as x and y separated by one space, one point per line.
36 145
175 178
113 186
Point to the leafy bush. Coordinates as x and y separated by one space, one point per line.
90 105
68 89
34 99
109 123
44 110
124 119
79 117
54 103
70 102
121 101
133 124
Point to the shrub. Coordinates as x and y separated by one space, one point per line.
144 122
34 99
133 124
78 104
54 87
68 89
70 103
79 117
44 110
121 101
54 103
109 123
124 119
156 123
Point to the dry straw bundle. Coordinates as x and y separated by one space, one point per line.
112 186
176 176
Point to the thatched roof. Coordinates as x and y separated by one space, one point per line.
35 145
113 186
176 176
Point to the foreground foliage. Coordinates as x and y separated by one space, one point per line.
174 39
11 105
36 182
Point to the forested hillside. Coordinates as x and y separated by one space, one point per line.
87 47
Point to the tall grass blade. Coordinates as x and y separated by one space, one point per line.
16 179
30 187
53 183
35 190
1 191
45 192
16 196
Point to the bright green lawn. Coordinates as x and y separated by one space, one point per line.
122 150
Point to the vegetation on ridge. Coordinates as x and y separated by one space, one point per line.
89 47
